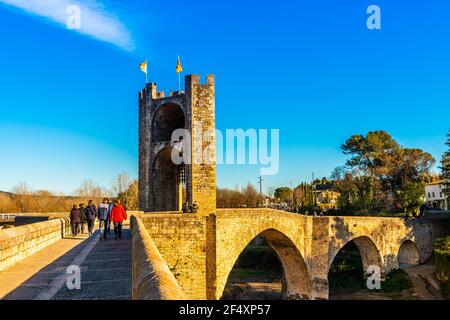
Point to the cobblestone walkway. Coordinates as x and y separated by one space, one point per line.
105 269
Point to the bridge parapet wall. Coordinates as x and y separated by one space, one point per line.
18 243
187 244
151 277
50 215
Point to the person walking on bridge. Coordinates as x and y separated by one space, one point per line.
83 217
75 219
185 207
108 223
118 215
103 218
91 214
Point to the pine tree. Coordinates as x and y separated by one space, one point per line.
446 170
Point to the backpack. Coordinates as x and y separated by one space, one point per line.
83 214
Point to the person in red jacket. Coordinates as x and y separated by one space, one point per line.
118 215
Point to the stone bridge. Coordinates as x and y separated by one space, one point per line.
201 250
190 256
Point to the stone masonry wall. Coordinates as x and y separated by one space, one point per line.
151 277
201 103
183 242
18 243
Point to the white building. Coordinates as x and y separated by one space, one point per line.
435 197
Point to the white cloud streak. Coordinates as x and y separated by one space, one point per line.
96 21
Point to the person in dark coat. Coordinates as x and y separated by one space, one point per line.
75 219
103 218
194 207
91 214
83 217
110 207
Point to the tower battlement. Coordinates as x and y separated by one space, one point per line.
150 91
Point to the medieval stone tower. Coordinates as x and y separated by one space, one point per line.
163 184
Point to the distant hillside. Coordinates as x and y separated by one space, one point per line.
10 202
10 194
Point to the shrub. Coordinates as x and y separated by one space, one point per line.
6 204
442 253
396 281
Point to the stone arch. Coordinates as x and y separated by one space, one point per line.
164 175
167 118
408 254
368 250
296 279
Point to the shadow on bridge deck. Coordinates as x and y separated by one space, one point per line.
105 271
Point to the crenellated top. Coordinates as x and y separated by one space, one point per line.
150 91
194 79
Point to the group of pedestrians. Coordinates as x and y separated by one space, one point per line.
191 208
315 214
106 213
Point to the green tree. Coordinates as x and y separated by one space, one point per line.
412 165
359 195
302 195
379 169
412 196
446 170
371 153
283 194
448 140
379 156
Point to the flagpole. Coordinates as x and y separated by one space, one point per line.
179 77
146 72
179 69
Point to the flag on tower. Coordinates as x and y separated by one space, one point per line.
179 68
143 66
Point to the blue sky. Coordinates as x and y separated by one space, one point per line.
312 69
